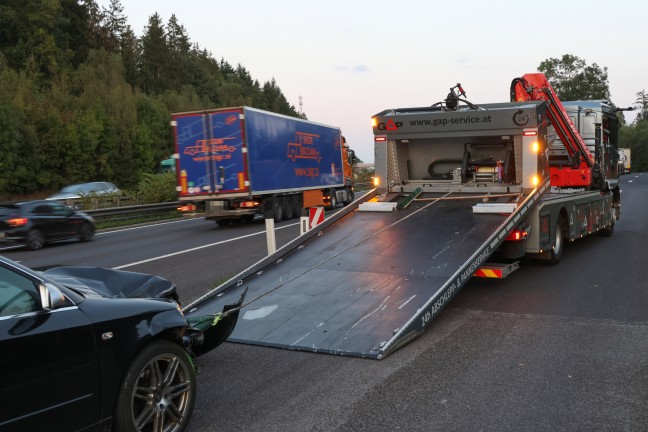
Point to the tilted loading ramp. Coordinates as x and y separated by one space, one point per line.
364 283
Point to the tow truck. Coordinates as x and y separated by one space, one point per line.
462 190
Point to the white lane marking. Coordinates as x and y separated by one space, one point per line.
144 226
196 248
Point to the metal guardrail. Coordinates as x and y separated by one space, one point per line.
123 213
132 212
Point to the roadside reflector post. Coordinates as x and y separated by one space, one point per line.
270 232
303 222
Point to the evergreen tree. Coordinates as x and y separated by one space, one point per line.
114 23
130 50
641 105
154 55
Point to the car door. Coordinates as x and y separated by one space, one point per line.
52 219
63 222
49 362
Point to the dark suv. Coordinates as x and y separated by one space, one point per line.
33 223
84 348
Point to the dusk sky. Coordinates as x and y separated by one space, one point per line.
350 59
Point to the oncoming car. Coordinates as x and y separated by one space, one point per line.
33 223
86 348
80 190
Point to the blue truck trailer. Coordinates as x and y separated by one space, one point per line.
235 163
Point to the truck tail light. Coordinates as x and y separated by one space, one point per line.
247 204
187 208
517 234
17 222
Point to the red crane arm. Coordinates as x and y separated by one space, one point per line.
535 86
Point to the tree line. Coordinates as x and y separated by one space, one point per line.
83 98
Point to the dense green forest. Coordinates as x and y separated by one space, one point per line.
82 98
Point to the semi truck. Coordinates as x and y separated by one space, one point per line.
462 190
236 163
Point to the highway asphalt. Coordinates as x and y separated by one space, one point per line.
560 348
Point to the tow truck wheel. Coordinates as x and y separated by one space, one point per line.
559 243
158 391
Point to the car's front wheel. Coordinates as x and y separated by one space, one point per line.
86 232
158 391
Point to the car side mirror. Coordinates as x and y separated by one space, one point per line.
51 296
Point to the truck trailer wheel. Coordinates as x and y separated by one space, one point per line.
278 208
333 199
298 205
350 195
288 207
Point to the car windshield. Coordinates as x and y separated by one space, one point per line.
78 188
88 187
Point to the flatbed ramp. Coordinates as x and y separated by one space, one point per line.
367 282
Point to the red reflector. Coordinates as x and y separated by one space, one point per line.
381 138
530 133
15 222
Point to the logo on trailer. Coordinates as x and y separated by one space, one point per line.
304 147
213 145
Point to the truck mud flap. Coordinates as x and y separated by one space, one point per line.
368 282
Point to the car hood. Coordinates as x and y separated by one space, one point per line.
210 330
113 283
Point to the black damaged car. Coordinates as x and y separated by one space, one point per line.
85 348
